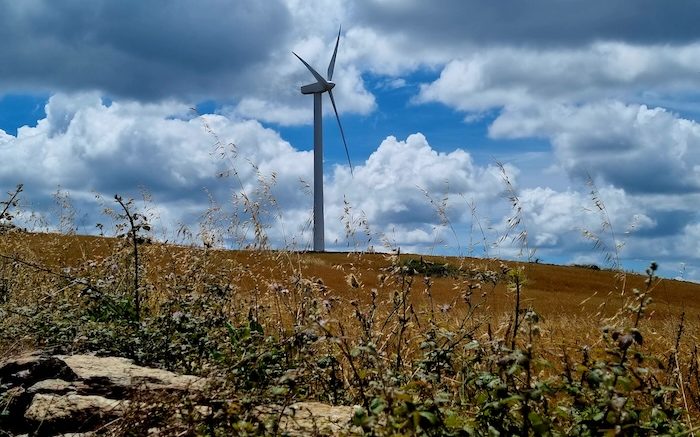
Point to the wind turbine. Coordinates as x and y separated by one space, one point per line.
317 89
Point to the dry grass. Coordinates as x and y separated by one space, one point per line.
573 301
373 302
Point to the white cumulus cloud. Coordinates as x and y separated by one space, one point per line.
634 147
510 77
90 147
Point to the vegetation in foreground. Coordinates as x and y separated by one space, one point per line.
418 346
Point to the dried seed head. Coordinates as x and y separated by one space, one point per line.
352 281
625 341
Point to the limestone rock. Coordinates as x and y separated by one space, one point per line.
47 394
122 373
32 367
56 386
57 413
312 418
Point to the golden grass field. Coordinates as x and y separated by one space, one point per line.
574 302
353 299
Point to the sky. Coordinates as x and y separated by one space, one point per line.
470 123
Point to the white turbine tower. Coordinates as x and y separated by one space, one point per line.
321 86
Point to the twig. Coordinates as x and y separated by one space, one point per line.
685 400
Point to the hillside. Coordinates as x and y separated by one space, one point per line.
551 289
372 330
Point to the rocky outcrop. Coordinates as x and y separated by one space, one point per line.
82 395
54 412
46 394
120 374
311 418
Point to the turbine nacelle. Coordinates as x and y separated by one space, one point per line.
317 87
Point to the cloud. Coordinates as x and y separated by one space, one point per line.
612 87
558 219
89 147
136 49
569 227
509 77
540 22
240 53
395 185
290 107
639 149
407 192
237 53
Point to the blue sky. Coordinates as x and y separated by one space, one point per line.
569 96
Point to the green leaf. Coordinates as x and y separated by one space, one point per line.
360 418
255 326
279 390
442 397
512 400
471 345
377 405
430 417
454 420
539 425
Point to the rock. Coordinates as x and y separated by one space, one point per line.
48 394
32 367
14 401
121 374
56 386
51 414
312 418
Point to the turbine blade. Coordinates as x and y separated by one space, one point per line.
342 134
318 77
331 66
